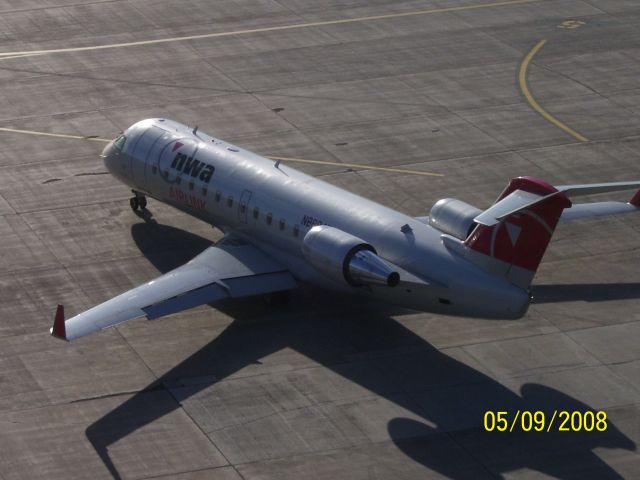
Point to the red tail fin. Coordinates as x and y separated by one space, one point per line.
521 238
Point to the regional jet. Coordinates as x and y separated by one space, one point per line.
283 227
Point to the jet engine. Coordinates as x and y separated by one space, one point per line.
454 217
346 258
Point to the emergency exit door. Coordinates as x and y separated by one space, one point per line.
243 205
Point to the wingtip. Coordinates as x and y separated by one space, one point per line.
58 330
635 200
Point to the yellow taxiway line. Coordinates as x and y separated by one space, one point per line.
92 138
522 79
58 135
460 8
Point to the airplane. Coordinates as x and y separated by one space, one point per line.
282 228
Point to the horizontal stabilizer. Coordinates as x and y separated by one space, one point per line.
520 200
595 188
600 209
512 203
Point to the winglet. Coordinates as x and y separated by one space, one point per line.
635 200
58 329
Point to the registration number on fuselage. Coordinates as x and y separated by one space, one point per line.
309 221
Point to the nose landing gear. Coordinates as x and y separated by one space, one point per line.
138 201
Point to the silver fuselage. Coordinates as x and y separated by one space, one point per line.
238 191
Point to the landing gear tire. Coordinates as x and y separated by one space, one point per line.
142 201
134 203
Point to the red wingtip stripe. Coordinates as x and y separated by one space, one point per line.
176 146
635 201
59 329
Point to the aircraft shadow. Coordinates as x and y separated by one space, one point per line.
586 292
452 396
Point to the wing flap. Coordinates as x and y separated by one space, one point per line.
227 288
200 296
259 284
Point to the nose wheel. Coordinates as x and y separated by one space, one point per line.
138 202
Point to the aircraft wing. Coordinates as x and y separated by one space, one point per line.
230 269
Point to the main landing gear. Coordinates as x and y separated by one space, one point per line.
138 201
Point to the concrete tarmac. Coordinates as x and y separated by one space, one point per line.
329 387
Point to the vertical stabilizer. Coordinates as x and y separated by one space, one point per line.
514 233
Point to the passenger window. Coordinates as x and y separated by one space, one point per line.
269 218
178 180
296 230
218 196
154 169
256 213
190 185
204 191
282 223
230 201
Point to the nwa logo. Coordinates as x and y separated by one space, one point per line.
191 166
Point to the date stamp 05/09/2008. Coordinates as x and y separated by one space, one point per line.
541 421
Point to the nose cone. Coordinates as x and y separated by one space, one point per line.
108 157
105 150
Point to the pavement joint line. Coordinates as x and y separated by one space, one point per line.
197 470
524 87
93 138
459 8
109 109
55 7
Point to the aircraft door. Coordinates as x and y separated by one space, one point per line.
140 154
243 205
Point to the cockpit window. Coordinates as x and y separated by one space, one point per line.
119 142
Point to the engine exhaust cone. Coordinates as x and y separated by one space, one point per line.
366 268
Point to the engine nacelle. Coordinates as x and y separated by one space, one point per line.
346 258
454 217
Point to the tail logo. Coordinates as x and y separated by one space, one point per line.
513 231
508 244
